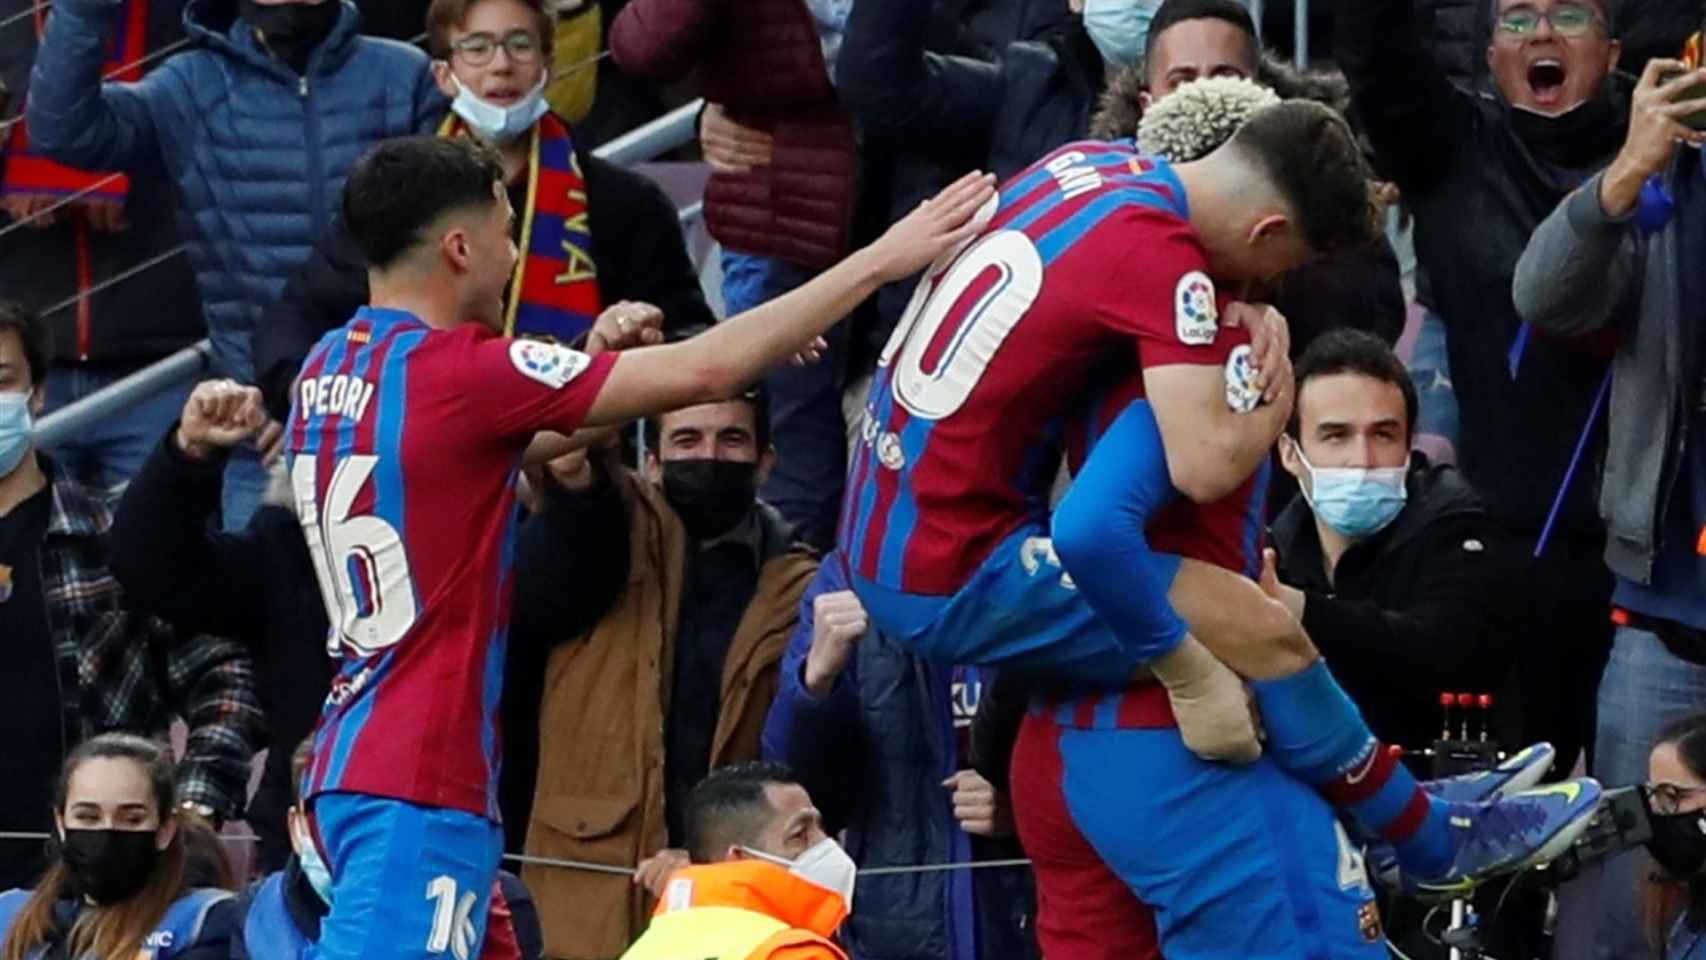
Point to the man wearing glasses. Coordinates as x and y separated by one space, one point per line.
1479 172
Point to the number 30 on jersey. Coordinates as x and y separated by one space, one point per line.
958 319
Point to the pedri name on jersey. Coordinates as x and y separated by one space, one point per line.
334 396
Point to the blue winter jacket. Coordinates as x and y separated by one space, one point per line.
257 152
873 754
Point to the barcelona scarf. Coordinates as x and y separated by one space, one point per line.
28 172
554 293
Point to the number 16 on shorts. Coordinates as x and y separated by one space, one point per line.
452 919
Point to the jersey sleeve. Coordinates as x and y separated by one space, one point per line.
520 387
1161 295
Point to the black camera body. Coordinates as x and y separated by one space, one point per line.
1622 823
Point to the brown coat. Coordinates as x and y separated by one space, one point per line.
600 792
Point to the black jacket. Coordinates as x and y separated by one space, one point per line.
935 115
1479 177
150 313
1413 611
256 586
636 245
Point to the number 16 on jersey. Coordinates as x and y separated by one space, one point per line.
359 560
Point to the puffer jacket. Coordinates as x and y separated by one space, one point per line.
258 154
763 62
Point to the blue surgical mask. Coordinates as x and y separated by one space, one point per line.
15 427
500 125
1119 28
313 867
1357 502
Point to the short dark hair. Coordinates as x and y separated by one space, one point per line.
755 396
729 808
444 16
1309 154
401 186
33 334
1174 12
1348 350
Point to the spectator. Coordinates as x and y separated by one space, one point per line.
780 198
679 666
1478 173
1676 792
256 126
883 737
280 914
255 585
206 861
82 660
1592 266
610 231
119 887
1390 563
767 882
66 258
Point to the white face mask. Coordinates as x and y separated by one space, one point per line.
500 125
826 865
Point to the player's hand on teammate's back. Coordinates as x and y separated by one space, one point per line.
218 415
838 621
934 227
979 807
1216 718
1291 597
653 872
1270 342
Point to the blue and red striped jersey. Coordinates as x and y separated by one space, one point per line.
403 446
1088 270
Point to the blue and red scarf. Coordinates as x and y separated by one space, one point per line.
554 294
29 172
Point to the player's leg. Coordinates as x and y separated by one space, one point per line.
408 882
1236 861
1084 910
1314 730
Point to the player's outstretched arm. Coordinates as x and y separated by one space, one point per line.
725 359
1211 447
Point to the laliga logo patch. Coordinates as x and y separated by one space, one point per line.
1241 393
1194 313
548 363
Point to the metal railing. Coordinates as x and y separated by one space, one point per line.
674 129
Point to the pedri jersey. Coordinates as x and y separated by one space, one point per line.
1088 265
403 447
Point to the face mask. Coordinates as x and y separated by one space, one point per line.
500 125
1356 502
109 866
15 426
292 30
1679 843
711 496
1584 134
1119 28
313 866
825 865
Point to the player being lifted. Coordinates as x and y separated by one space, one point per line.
1097 256
406 433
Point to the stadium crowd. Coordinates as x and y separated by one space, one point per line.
1486 510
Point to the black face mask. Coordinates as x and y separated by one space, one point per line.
1679 843
1588 134
292 31
109 866
710 495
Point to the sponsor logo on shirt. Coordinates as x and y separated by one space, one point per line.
548 363
1194 314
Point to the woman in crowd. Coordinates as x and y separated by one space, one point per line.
117 885
1676 888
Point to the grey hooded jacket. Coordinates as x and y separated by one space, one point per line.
1584 272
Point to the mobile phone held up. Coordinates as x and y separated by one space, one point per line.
1697 119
